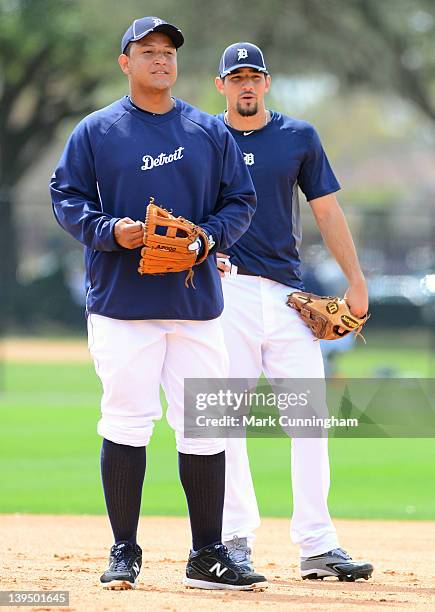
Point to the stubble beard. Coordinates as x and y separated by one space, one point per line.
247 111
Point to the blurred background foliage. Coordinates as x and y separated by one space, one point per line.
362 71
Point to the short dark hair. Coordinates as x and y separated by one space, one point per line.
127 49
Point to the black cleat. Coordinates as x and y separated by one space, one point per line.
124 566
335 563
211 568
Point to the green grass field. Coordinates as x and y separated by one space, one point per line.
49 451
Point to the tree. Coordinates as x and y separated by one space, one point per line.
387 45
45 77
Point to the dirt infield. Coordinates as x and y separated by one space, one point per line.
69 552
34 350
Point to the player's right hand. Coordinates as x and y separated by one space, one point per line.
129 233
357 298
222 263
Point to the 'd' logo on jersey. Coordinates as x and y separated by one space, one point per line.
249 159
332 307
150 162
242 54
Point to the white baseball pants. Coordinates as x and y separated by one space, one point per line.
263 334
132 359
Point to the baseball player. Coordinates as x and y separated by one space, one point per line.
150 330
261 332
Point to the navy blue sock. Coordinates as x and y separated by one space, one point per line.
122 473
203 480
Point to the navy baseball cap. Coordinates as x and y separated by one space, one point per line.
141 27
241 55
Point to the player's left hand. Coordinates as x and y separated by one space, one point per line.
196 245
357 298
199 246
222 263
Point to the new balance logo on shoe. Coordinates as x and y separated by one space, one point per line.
136 567
218 569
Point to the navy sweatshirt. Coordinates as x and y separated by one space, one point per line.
282 156
114 161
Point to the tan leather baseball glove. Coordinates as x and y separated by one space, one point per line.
328 318
171 243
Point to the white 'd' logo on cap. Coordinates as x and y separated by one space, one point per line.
242 54
157 22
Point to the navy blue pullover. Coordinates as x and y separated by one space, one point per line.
114 161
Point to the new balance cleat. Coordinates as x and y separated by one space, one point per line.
240 553
337 563
124 566
211 568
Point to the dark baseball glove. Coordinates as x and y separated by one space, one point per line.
328 318
172 244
